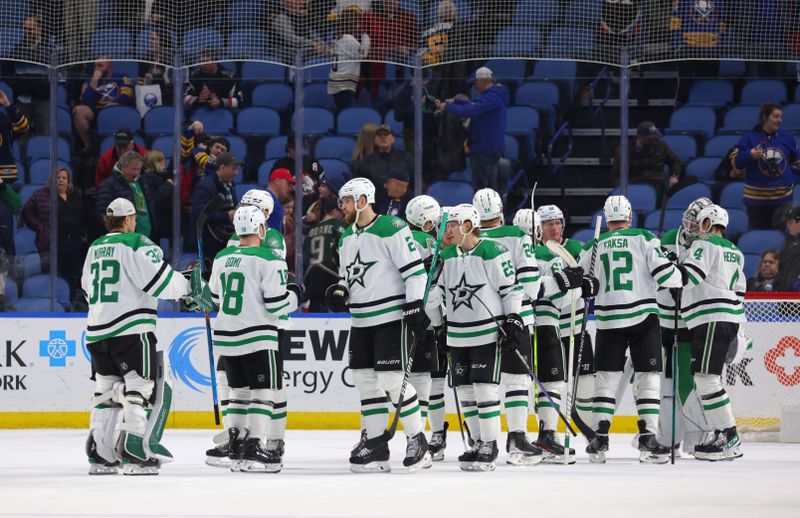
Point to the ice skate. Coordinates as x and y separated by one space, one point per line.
553 449
218 455
258 459
236 448
97 464
487 455
521 452
278 446
721 445
361 441
599 446
417 454
467 460
438 443
372 457
135 466
650 451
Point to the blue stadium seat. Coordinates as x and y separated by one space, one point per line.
276 96
337 147
691 120
14 12
40 170
129 69
143 42
682 199
396 125
335 167
731 195
317 71
511 148
450 194
507 70
738 223
246 12
642 197
539 95
112 43
263 171
584 235
64 121
761 91
112 118
27 190
165 144
217 121
740 119
522 121
736 68
518 42
25 238
464 175
380 103
714 93
316 121
263 72
31 265
39 286
536 12
351 120
791 117
751 264
719 145
247 44
36 305
159 120
316 95
757 241
685 146
672 219
258 121
9 38
39 147
570 41
796 198
561 72
275 147
703 169
11 291
196 40
238 146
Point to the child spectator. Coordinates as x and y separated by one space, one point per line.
348 53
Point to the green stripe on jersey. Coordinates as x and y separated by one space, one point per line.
111 334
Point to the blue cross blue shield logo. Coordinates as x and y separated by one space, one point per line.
57 348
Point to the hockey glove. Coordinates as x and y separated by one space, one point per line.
569 278
440 334
512 332
439 265
670 255
200 297
299 291
415 317
589 287
337 297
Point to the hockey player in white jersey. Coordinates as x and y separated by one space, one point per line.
249 284
631 268
382 283
712 306
124 275
478 285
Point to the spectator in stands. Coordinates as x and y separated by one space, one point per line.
329 185
152 70
365 145
726 171
159 182
31 82
219 227
12 124
769 157
451 143
281 187
386 158
292 30
764 280
202 151
320 254
647 156
126 182
404 112
487 127
123 142
394 196
789 274
312 171
105 88
72 233
211 86
10 205
348 51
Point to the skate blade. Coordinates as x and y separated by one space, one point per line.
468 466
557 459
258 467
646 457
486 466
372 467
597 458
218 462
98 469
237 465
438 456
520 459
134 470
424 463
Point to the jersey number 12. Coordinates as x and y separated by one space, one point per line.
615 265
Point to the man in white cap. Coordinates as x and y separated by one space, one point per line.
487 127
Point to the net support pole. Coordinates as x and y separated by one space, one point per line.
176 246
624 85
52 74
417 125
299 153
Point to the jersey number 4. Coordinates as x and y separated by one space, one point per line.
104 274
615 265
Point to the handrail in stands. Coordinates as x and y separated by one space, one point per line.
555 168
598 111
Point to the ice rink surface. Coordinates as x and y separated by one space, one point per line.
43 473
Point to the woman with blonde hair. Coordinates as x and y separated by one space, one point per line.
365 144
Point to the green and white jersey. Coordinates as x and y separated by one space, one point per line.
382 268
249 286
520 248
559 303
630 268
425 243
124 275
486 271
272 239
715 291
666 304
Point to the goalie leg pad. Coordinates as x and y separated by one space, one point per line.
374 405
410 415
104 417
436 406
469 407
605 388
517 391
421 381
547 412
647 393
488 397
714 400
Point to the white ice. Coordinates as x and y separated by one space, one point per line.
44 473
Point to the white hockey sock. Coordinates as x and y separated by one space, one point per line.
422 384
410 415
469 407
436 405
237 408
488 398
224 393
584 399
547 412
715 401
373 402
277 422
605 390
647 393
517 391
258 413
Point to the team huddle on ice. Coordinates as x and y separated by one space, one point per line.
451 293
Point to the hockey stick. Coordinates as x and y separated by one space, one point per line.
451 377
390 431
530 371
684 182
675 374
214 204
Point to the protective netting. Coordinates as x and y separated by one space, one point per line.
398 31
767 378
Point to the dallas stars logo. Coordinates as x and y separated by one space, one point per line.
357 269
463 293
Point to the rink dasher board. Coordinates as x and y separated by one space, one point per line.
45 370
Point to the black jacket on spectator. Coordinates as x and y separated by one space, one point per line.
162 192
376 166
392 206
219 227
115 187
759 283
223 83
789 274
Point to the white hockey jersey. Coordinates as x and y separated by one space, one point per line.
485 272
249 286
272 239
630 268
346 66
666 304
381 266
124 275
715 292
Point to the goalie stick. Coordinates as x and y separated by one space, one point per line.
675 373
669 193
216 203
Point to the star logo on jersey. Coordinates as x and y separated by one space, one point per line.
463 293
357 269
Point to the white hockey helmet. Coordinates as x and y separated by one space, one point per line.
529 221
617 208
488 203
549 213
442 212
423 209
358 187
248 220
462 213
690 220
710 216
258 198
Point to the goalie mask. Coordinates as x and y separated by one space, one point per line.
249 220
690 223
423 212
488 203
